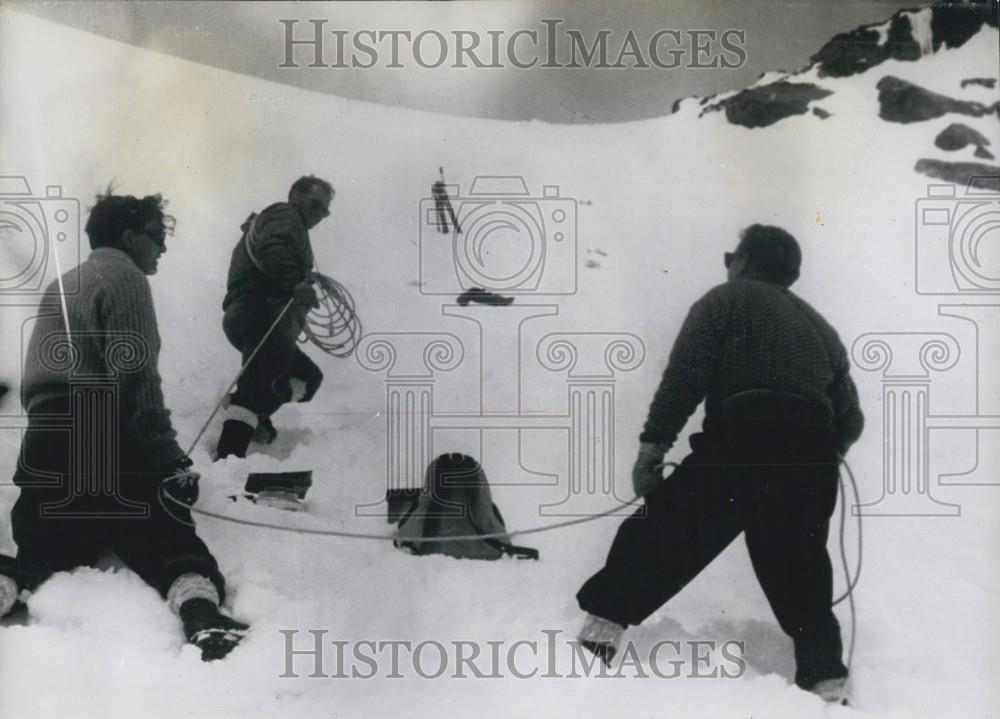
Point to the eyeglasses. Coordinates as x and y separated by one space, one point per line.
321 206
159 238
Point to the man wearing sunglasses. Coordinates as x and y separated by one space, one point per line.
100 448
780 410
270 289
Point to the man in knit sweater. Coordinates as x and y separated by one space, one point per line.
100 448
780 410
270 289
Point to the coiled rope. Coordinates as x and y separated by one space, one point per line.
334 326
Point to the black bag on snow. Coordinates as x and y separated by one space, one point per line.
455 502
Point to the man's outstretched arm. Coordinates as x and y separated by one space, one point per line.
684 384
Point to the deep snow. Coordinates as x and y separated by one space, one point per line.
667 197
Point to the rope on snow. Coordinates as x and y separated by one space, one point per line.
852 581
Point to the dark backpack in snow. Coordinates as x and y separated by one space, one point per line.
455 502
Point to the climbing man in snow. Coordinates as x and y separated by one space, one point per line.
270 288
781 410
100 451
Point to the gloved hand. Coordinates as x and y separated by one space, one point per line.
305 294
181 482
648 470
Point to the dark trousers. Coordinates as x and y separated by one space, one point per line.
720 490
61 521
265 385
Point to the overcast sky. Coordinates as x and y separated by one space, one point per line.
250 38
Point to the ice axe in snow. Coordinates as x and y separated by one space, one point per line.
443 211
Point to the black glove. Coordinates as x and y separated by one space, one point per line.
305 294
181 482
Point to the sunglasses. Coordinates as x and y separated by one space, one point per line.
321 206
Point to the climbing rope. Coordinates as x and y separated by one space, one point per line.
333 326
851 582
390 537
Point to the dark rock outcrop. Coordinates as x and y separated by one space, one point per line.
906 36
902 101
964 174
951 24
958 136
853 52
955 21
988 82
766 105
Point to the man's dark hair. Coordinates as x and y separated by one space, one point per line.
306 183
112 214
773 253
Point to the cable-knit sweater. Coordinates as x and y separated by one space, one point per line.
749 335
114 334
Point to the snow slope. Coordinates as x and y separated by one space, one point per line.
662 199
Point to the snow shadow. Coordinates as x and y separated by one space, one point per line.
766 649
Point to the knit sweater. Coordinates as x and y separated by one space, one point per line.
749 335
115 336
272 256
